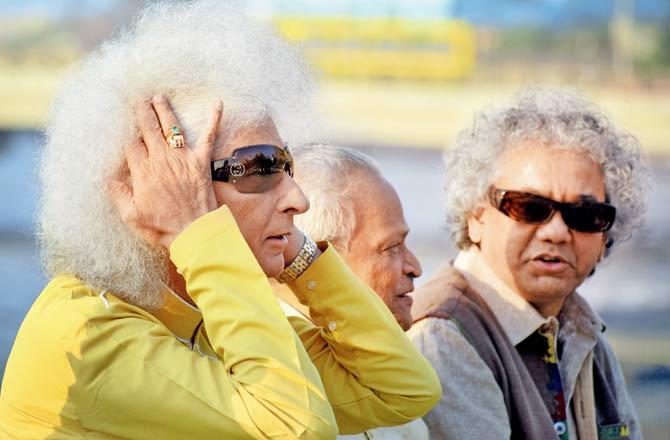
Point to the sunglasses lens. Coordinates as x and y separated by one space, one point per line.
590 218
218 171
263 167
256 183
534 209
525 208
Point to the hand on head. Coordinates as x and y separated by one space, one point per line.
169 187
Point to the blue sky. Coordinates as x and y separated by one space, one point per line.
485 12
53 8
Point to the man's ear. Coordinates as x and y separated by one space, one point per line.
603 247
476 225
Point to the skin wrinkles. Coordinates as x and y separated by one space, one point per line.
513 249
377 251
264 215
264 219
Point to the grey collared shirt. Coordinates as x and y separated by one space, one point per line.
472 405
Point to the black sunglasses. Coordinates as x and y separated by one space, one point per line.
533 209
255 168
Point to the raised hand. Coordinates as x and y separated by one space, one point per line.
169 187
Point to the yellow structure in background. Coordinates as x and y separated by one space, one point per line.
430 114
384 47
26 92
422 107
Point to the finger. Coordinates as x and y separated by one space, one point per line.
207 140
122 197
121 173
165 114
150 128
136 153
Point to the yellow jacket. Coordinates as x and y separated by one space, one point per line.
87 364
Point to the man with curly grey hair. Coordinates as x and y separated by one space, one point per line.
538 193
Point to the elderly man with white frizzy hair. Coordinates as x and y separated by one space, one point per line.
537 194
168 203
258 77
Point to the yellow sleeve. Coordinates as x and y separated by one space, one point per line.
262 386
86 363
371 372
275 386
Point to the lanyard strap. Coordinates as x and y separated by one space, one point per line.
555 385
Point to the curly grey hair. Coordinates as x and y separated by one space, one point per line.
192 52
325 173
554 119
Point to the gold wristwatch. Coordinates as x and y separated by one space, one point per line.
305 257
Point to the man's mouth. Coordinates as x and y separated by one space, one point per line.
550 263
405 298
279 238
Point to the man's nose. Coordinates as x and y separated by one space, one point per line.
293 199
555 230
412 267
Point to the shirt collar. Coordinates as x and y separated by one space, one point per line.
517 317
577 316
180 317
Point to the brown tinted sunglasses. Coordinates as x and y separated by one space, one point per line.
255 168
533 209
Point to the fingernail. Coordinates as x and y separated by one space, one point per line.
218 105
159 98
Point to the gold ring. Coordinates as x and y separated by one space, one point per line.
175 138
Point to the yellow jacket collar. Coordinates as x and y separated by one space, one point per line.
180 317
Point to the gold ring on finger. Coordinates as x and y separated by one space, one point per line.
175 139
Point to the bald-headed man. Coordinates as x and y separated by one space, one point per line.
358 211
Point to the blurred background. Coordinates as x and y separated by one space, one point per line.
399 79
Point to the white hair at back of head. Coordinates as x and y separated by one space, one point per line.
325 173
194 53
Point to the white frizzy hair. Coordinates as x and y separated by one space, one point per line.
194 53
325 173
552 119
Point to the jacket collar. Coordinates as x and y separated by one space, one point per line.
178 316
518 318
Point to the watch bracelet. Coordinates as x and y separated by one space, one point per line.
302 261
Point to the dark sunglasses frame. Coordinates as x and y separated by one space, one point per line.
235 169
590 217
